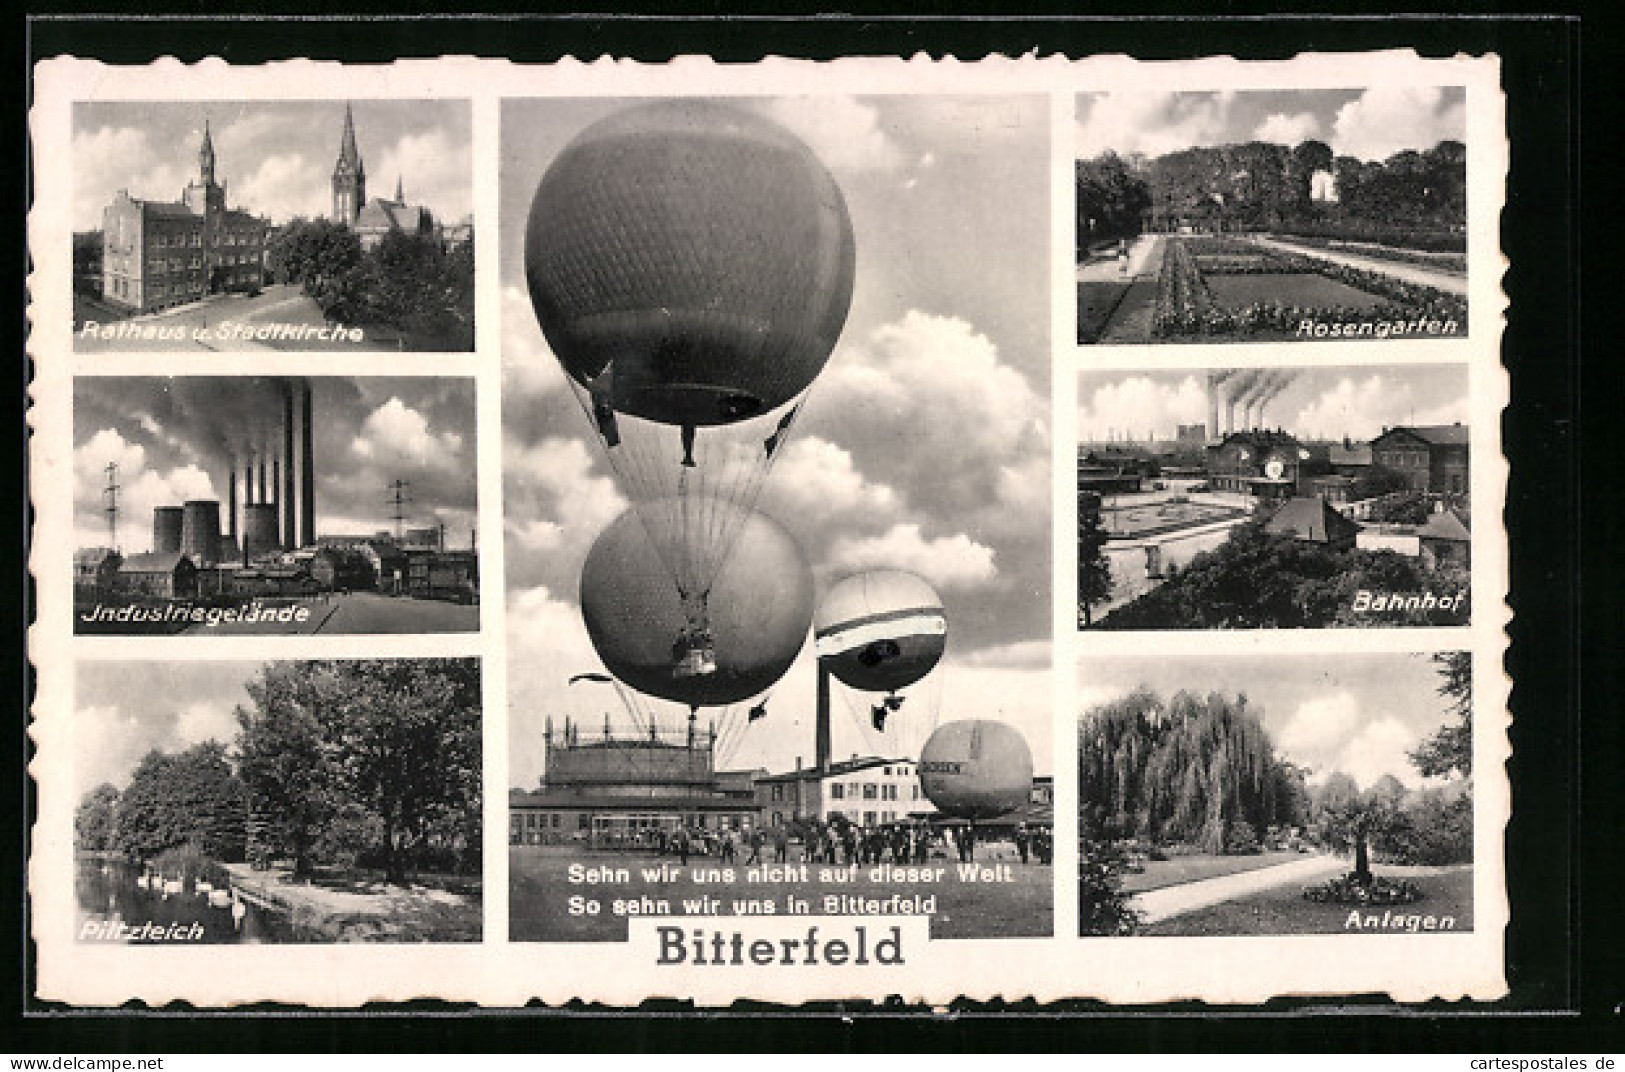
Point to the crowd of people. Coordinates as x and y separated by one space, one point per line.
840 842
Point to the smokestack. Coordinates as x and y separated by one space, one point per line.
307 476
1213 382
290 534
231 499
248 479
263 497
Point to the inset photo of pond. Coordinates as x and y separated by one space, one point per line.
223 802
1296 215
1275 794
1274 498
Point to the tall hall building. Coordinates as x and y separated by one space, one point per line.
371 220
161 253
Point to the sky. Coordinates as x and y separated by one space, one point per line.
276 158
1368 124
1359 714
925 444
123 710
1317 403
173 440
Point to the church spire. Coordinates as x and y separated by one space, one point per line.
205 157
349 176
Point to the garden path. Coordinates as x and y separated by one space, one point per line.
1409 273
1107 270
1176 900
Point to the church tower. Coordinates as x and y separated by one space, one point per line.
349 177
205 197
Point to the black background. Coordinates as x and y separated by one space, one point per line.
1564 948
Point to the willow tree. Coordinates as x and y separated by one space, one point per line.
1196 769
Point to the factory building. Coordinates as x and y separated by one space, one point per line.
167 576
161 253
1431 458
96 567
605 788
1264 464
869 790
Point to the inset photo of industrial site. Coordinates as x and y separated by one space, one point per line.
1274 498
215 505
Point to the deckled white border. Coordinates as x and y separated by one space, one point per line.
495 972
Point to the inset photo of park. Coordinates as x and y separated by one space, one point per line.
273 225
231 505
1270 794
1274 498
1296 215
281 802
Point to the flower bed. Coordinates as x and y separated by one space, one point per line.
1186 306
1349 890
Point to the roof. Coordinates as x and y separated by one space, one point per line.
86 556
154 562
1310 519
1444 525
1359 454
167 209
1439 435
845 766
381 215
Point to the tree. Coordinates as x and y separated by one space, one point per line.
1094 571
1450 749
1200 770
94 820
1369 820
1111 201
189 798
387 749
1103 908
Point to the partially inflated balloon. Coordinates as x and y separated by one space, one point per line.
976 769
760 607
880 630
699 253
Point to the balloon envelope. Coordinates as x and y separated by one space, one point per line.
880 630
976 769
760 607
702 249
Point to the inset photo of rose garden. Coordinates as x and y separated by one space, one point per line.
1275 794
1297 215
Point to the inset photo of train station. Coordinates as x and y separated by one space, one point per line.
1274 498
274 505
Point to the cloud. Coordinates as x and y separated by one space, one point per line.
1140 405
546 646
1151 123
1362 408
396 436
141 489
433 169
948 561
1387 119
556 504
1282 129
1332 733
284 185
843 132
118 735
1021 655
110 158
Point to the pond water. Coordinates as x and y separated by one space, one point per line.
109 893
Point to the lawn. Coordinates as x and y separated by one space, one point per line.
1304 290
1096 304
1448 891
539 891
1181 869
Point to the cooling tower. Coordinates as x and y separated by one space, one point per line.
260 530
200 531
167 524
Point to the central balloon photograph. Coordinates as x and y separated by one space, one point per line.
777 512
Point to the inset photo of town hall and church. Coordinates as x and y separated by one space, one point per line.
1301 215
1274 498
228 505
273 225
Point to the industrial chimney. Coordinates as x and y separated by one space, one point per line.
307 475
290 496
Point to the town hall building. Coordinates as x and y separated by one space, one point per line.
156 254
